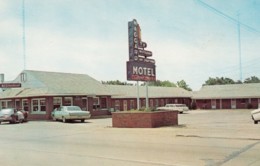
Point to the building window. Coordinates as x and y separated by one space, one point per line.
103 102
95 101
96 104
57 102
25 105
38 105
68 101
6 104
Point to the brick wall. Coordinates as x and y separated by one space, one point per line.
144 119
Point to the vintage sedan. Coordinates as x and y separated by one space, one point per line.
174 107
256 115
12 115
69 113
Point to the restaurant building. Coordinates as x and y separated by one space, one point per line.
41 92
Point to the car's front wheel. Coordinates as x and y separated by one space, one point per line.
53 118
64 120
255 122
82 120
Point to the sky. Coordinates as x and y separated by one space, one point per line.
191 40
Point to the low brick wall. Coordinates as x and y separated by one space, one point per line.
127 119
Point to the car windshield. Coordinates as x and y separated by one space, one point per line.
7 111
73 108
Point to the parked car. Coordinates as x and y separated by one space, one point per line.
256 115
177 107
68 113
12 115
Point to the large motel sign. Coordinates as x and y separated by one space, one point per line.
139 66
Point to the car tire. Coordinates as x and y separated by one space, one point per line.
255 122
82 120
53 118
64 120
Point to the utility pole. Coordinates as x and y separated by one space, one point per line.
23 40
239 48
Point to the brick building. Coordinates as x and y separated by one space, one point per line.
124 97
41 92
233 96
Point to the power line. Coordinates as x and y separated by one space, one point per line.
227 17
238 23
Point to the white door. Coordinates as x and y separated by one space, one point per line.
213 104
233 104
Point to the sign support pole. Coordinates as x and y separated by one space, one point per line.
2 80
138 103
146 99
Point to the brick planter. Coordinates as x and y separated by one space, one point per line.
127 119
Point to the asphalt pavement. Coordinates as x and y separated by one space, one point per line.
208 137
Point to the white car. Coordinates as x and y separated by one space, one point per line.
256 115
12 115
174 107
68 113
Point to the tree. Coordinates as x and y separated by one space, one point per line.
184 85
161 83
219 81
252 79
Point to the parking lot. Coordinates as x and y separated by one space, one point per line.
211 138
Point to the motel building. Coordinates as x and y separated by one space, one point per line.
125 97
232 96
41 92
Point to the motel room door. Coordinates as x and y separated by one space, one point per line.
125 105
84 104
213 104
233 104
